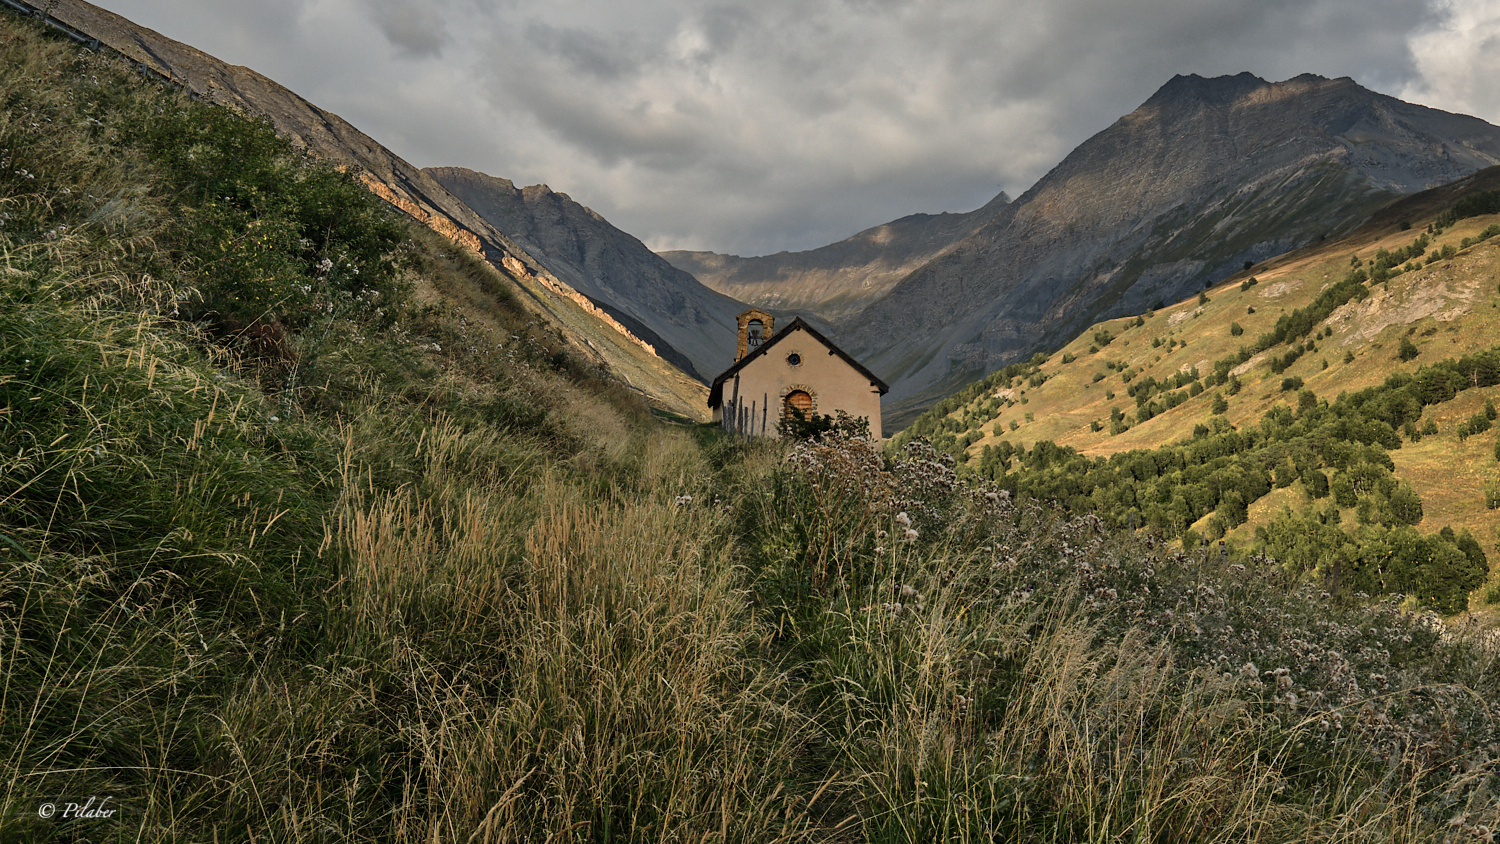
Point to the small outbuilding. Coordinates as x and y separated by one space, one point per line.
796 367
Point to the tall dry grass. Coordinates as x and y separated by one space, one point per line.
568 667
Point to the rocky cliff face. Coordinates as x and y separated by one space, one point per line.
1180 193
841 279
688 323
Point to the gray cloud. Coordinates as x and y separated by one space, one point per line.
415 28
785 124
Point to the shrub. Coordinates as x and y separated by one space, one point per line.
273 238
1408 350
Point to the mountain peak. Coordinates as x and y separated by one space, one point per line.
1228 90
1215 90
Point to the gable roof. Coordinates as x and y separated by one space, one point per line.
716 390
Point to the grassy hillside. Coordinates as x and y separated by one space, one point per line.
1280 360
310 532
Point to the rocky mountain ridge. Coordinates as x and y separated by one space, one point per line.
1205 176
691 325
838 280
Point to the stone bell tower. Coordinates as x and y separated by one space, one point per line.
756 327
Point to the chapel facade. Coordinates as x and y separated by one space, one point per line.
797 368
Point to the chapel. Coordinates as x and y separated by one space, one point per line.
797 368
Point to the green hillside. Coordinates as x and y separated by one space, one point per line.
1353 384
311 530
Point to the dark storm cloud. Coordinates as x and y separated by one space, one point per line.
782 124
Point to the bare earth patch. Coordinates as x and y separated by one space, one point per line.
1438 291
1280 288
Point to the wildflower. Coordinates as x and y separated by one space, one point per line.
684 500
910 536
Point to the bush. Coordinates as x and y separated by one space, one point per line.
1492 494
272 238
1408 350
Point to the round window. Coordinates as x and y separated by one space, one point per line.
794 359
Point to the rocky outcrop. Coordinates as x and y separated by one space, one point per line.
692 325
1207 175
521 271
437 222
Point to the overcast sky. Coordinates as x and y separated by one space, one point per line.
753 127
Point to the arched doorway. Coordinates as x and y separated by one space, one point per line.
801 401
